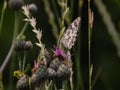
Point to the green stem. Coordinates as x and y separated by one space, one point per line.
24 60
2 14
19 62
55 10
89 61
6 60
71 81
51 19
22 31
79 77
61 33
1 83
89 45
96 76
55 88
71 8
63 85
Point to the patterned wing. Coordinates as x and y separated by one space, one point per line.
69 36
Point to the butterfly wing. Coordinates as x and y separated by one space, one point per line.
69 36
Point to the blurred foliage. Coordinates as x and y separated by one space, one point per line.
104 57
42 18
104 54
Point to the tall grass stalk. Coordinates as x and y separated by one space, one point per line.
89 44
23 30
109 24
24 61
7 58
2 14
51 19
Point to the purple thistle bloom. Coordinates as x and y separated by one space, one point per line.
60 53
35 64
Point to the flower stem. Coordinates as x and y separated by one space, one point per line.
6 60
22 31
2 14
24 60
89 45
51 18
71 81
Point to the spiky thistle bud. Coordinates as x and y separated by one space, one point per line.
23 46
15 4
51 73
28 45
69 36
55 64
39 75
20 46
63 71
23 83
32 8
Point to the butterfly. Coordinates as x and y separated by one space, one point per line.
69 37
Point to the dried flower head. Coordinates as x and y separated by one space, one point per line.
69 37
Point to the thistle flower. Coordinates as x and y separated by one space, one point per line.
35 67
69 37
60 53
